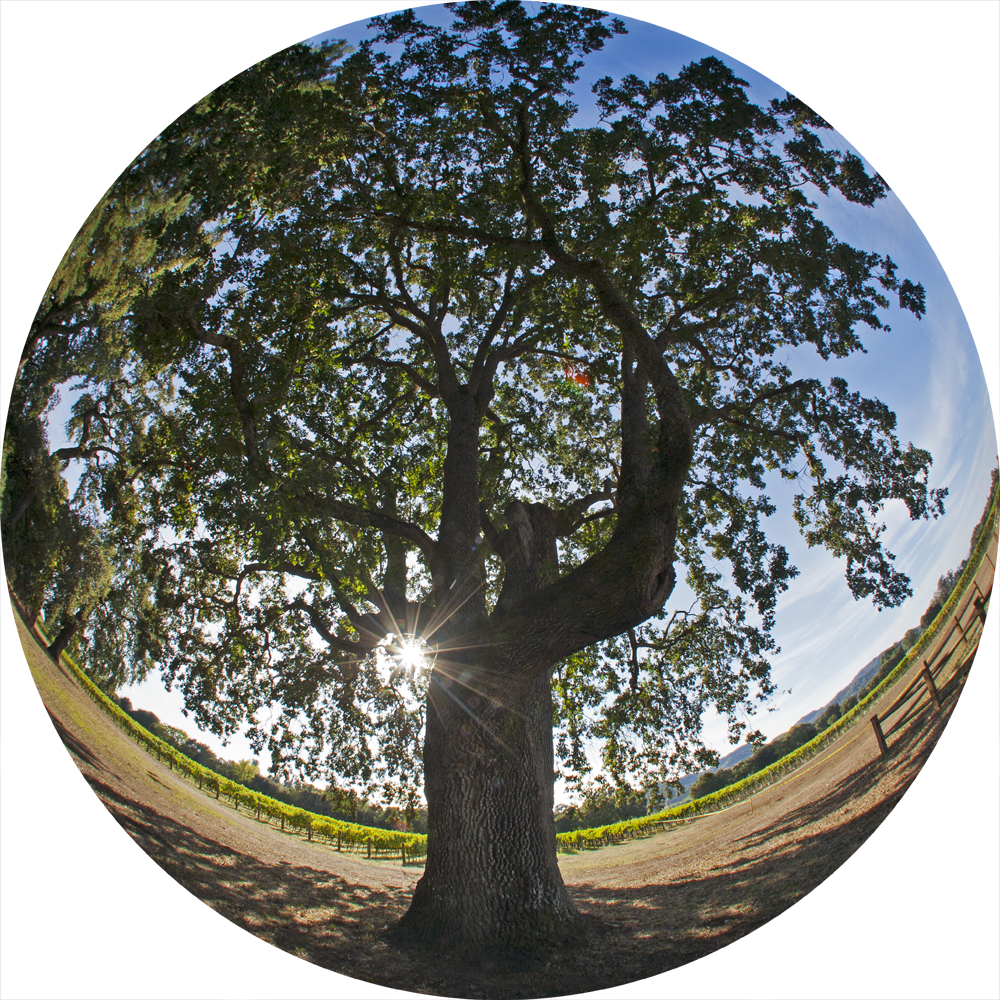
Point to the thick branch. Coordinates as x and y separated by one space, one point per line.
676 444
415 376
360 648
710 414
428 329
481 375
570 516
237 388
360 517
367 626
68 454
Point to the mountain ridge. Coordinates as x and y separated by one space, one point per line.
860 679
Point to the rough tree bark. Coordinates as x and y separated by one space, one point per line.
492 879
63 637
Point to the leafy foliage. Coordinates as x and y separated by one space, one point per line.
391 346
601 806
713 795
335 802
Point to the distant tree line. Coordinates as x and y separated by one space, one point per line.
344 804
712 781
786 743
602 806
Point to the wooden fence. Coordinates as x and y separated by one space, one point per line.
955 647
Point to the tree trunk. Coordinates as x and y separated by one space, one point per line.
492 884
61 641
492 880
16 593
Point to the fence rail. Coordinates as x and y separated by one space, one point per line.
972 596
929 683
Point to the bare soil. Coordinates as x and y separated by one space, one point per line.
664 900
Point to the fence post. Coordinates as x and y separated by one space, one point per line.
403 849
309 829
931 689
980 608
338 840
369 848
879 737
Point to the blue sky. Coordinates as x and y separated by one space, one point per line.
926 370
909 83
825 636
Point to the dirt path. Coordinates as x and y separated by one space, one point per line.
669 899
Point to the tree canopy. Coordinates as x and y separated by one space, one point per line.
424 395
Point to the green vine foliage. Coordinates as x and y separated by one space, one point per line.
349 836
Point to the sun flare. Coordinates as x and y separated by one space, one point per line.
411 653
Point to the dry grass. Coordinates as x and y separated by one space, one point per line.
662 901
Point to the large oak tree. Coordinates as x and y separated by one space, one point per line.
420 442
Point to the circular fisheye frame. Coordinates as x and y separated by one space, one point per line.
498 500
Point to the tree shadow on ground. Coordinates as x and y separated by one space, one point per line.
74 746
954 684
339 925
688 917
771 868
309 912
839 797
328 920
908 751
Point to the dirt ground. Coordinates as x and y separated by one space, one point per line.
664 900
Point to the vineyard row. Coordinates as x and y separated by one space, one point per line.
371 841
378 843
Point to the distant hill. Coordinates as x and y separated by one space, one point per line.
741 753
730 760
861 678
738 755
